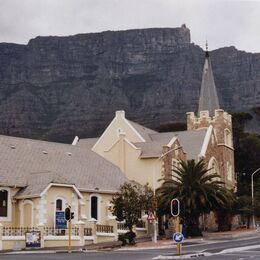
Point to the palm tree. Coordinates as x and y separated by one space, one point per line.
198 190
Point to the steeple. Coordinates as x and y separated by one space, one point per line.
208 94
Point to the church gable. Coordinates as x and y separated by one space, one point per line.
120 125
121 151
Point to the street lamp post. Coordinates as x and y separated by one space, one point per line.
252 190
154 222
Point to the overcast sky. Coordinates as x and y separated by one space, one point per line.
222 22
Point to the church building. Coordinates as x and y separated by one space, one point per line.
39 179
145 155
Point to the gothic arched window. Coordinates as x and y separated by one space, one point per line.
59 204
94 207
3 203
213 167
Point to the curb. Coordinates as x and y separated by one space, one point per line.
182 256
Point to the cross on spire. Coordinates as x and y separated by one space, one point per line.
207 50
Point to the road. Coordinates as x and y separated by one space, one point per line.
213 247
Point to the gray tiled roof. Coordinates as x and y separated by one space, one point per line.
143 131
34 164
87 142
190 140
149 149
152 149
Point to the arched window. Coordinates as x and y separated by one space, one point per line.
213 166
94 207
3 203
59 204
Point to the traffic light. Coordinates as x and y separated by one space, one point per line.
72 215
175 207
67 214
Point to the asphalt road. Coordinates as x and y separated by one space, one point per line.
213 247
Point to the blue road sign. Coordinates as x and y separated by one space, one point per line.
60 222
178 237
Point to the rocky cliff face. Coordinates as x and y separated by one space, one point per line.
57 87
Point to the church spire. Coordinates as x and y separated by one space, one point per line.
208 94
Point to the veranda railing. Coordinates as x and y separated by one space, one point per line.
51 231
17 231
104 229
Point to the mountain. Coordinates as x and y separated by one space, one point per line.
57 87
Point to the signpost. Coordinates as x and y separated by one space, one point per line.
175 211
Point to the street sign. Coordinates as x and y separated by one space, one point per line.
178 237
151 216
60 221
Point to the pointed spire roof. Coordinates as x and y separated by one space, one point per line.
208 93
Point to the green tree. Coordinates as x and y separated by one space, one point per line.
198 191
128 203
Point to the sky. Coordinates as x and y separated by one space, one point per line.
221 22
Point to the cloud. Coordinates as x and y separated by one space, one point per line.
222 22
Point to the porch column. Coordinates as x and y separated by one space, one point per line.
81 225
93 225
113 223
41 229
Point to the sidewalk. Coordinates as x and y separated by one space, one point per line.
165 243
207 237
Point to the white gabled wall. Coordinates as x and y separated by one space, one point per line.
127 157
119 125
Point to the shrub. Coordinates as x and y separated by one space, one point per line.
122 238
127 238
130 236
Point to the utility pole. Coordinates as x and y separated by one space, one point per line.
252 194
69 234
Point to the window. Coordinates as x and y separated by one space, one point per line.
58 204
3 203
94 207
213 168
